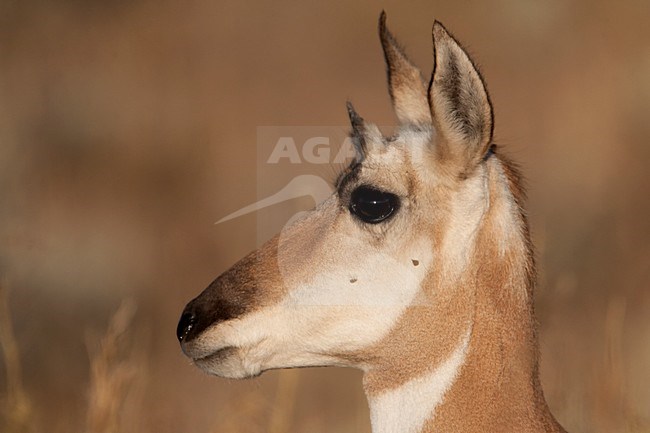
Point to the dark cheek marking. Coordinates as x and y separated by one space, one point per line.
415 262
353 280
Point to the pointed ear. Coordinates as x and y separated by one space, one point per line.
460 105
405 84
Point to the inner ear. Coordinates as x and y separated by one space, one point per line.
460 105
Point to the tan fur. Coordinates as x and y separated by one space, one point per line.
498 388
405 83
436 299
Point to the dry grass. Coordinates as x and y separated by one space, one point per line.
112 372
17 409
114 364
113 367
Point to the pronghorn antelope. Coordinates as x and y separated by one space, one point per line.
418 270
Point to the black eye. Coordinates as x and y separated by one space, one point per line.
371 205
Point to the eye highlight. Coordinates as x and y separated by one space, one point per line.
371 205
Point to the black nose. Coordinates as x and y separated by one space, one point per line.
185 325
224 299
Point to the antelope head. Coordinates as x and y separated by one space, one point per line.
416 268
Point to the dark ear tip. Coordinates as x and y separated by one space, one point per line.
355 119
350 107
382 25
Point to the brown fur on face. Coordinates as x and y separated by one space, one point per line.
251 284
438 294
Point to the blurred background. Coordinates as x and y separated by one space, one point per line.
127 128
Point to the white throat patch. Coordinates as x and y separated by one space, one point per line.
405 409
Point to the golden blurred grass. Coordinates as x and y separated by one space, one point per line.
114 367
112 373
16 408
